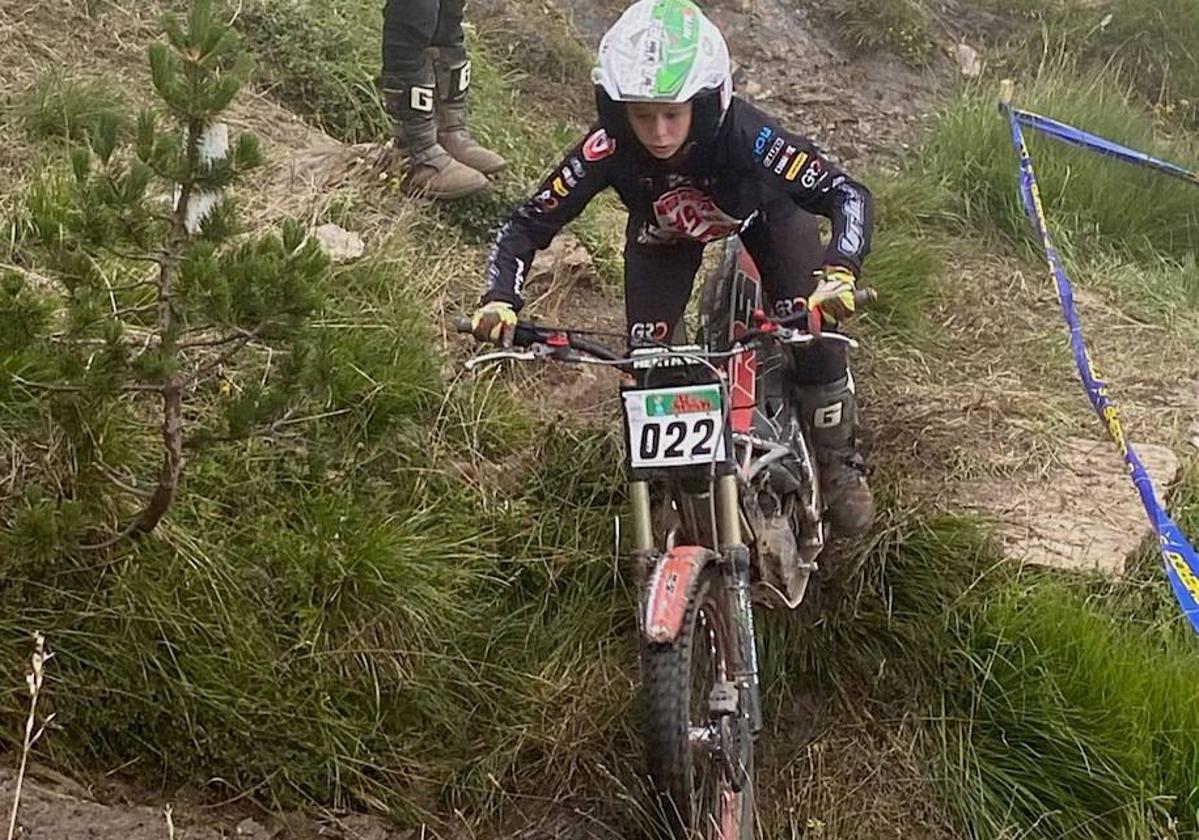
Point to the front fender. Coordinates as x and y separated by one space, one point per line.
670 589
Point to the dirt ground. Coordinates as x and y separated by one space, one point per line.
54 807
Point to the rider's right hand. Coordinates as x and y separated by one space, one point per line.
494 322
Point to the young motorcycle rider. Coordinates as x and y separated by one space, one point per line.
693 163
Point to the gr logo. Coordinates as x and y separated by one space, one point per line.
787 307
648 331
421 99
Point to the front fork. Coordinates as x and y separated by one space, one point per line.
734 552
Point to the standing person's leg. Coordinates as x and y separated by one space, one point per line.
785 244
453 86
409 86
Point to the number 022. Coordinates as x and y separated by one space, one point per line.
677 434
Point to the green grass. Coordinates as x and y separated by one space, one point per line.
1164 291
332 615
1094 204
902 26
397 595
1153 44
908 256
1073 704
1077 724
319 60
876 628
68 108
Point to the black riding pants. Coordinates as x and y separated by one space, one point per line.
784 242
411 27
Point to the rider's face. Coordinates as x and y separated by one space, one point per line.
661 127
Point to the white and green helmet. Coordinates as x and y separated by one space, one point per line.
663 51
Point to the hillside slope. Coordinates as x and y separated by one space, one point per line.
406 599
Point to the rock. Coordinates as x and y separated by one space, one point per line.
566 257
755 90
1082 512
249 828
363 827
340 244
968 61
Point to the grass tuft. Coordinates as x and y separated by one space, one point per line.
1153 43
1077 724
902 26
67 108
1093 203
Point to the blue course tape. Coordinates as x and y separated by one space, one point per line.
1085 140
1179 558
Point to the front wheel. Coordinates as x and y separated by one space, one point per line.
698 743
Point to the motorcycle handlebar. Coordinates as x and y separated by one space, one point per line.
529 333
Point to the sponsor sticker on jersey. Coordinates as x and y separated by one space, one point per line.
814 174
773 153
762 139
691 213
545 202
598 146
784 159
796 165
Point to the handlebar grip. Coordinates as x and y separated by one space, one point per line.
865 295
462 324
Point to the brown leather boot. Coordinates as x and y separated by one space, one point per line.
830 412
453 85
431 171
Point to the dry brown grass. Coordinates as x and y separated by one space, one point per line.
35 679
862 779
998 390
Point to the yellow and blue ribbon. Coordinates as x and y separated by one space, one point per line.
1092 142
1179 557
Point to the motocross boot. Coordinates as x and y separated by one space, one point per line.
453 85
830 413
431 171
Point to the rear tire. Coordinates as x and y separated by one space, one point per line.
695 796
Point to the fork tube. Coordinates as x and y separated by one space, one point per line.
643 529
731 545
728 511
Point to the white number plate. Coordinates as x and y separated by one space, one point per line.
675 427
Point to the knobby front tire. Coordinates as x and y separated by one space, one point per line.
695 794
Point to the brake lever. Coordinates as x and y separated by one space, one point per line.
790 336
528 355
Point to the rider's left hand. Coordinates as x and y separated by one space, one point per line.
834 294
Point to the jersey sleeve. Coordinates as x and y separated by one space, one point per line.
565 192
794 165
